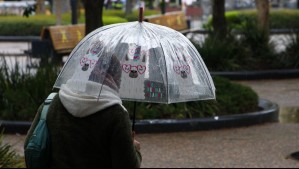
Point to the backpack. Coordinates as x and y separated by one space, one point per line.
37 151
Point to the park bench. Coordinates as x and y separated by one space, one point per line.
59 41
62 39
174 20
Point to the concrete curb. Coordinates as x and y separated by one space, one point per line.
259 75
268 114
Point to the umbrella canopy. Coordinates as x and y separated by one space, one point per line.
142 61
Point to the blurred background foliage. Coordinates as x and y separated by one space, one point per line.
279 19
32 26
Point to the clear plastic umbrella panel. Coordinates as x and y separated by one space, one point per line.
142 62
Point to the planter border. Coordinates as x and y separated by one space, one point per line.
268 114
259 75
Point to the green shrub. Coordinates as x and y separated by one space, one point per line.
19 26
32 26
131 17
257 48
21 93
290 58
251 49
284 19
279 19
232 98
220 54
8 157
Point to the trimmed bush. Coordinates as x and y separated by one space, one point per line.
232 98
32 26
132 17
279 19
21 26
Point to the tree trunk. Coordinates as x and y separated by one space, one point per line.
263 10
128 7
93 14
219 21
151 4
58 6
281 4
163 7
74 7
40 7
298 4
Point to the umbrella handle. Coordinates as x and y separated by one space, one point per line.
134 117
141 14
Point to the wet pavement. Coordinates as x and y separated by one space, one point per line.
283 92
263 146
260 146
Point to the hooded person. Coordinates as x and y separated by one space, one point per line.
90 127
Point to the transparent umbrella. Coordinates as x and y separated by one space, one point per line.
142 62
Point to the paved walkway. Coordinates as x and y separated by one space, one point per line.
266 145
283 92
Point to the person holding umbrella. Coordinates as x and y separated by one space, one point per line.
134 61
87 130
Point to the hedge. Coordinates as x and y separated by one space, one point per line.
32 26
279 19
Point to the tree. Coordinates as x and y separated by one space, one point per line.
93 14
74 7
40 7
263 10
163 7
219 21
128 7
58 9
150 4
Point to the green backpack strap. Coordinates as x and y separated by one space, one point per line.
38 150
47 105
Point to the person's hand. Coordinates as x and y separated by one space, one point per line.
135 142
137 145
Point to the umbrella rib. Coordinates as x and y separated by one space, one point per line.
76 49
149 26
210 86
166 74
